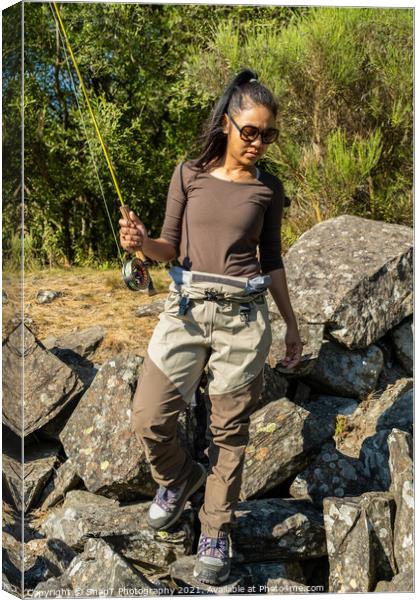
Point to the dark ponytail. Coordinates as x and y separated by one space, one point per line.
212 140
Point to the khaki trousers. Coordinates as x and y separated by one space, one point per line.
211 333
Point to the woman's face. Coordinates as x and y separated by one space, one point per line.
247 153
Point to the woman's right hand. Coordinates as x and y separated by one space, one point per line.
132 233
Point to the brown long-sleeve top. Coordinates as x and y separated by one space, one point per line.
226 221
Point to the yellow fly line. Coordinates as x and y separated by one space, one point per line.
134 271
85 94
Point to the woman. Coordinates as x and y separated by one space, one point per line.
219 208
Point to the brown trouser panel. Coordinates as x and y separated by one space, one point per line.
212 333
156 406
229 427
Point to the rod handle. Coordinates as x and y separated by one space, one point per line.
125 210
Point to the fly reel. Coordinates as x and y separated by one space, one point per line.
135 274
134 270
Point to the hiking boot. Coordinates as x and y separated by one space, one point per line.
168 503
212 563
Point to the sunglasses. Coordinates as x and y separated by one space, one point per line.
249 133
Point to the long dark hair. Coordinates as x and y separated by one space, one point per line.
213 140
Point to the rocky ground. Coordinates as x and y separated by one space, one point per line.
326 500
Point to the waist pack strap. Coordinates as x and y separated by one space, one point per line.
198 280
215 295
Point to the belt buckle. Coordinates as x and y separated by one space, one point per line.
211 294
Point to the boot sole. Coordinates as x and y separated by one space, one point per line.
209 580
175 517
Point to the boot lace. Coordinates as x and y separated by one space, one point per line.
210 546
167 498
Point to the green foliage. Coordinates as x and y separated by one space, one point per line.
343 77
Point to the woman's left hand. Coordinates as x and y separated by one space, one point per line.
294 347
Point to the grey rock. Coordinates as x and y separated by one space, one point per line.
150 310
350 373
47 296
360 541
45 558
282 439
277 529
100 571
331 474
391 408
84 343
54 587
402 487
401 582
75 350
268 577
32 476
65 478
275 385
302 393
49 385
98 435
12 551
24 550
336 405
342 274
85 515
374 456
403 342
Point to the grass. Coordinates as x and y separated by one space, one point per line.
90 297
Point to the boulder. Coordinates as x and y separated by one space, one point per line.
45 558
282 439
349 373
54 587
25 549
32 476
49 384
300 394
276 529
360 541
76 349
323 405
83 343
402 487
100 571
374 458
342 274
378 411
331 474
401 582
98 436
12 560
85 515
275 386
403 342
65 478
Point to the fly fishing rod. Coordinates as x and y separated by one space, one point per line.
134 269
